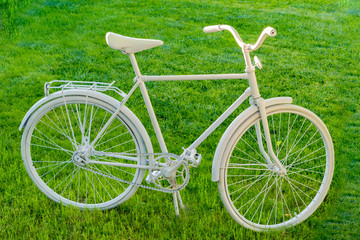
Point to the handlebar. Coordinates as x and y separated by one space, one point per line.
269 31
211 29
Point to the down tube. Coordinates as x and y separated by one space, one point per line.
221 119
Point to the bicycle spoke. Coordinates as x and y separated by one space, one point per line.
58 129
273 205
277 145
47 166
92 117
309 143
114 167
301 149
302 184
245 159
288 134
51 148
307 170
252 150
292 191
312 159
111 139
73 174
68 118
243 180
65 129
248 187
51 142
264 189
240 166
96 175
255 160
292 184
306 177
295 140
54 169
118 145
306 156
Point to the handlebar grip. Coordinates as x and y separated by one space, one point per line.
270 31
211 29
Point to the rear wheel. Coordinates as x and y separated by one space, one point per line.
59 131
257 196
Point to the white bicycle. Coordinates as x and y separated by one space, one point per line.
273 164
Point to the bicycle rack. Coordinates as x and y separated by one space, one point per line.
60 85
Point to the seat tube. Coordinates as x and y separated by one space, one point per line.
148 104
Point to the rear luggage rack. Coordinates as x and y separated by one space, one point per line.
58 85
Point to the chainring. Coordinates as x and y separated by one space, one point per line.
178 181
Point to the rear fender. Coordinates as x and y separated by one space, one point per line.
60 94
93 94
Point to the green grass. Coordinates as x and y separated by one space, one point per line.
314 59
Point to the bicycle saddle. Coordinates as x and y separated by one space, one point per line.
130 45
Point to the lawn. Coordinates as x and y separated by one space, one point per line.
315 58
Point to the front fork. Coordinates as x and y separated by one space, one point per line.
272 160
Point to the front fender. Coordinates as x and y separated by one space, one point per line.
234 125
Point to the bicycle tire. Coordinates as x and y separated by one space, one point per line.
259 198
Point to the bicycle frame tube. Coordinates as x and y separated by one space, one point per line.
251 91
140 78
221 119
195 77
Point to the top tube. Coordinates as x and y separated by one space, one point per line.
146 78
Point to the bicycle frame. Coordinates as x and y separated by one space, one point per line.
252 91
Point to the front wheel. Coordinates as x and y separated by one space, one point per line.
258 196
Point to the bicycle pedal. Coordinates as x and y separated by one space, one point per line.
152 176
192 157
197 158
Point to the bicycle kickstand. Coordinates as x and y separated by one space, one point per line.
177 202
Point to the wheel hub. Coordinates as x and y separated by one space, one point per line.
277 170
80 157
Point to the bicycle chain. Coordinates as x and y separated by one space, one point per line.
138 184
